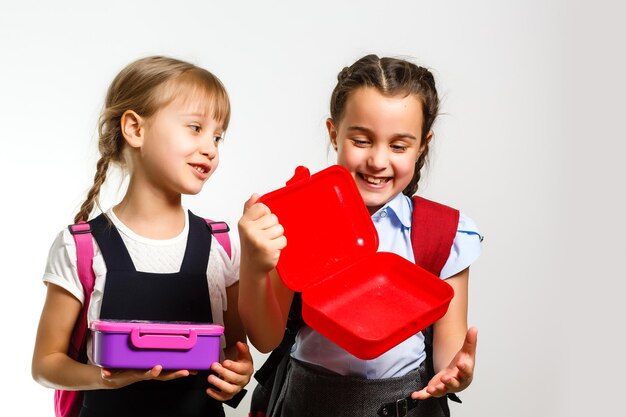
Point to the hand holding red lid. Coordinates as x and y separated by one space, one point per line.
261 235
267 299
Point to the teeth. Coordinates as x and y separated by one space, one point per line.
200 170
374 180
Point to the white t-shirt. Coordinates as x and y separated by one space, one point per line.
148 255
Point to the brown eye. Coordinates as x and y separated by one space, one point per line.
359 142
399 148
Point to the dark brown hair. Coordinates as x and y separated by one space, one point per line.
390 76
145 86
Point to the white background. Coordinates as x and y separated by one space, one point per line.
530 146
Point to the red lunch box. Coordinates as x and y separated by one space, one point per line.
364 301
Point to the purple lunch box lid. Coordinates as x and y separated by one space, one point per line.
159 327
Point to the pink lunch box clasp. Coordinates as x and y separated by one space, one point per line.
163 338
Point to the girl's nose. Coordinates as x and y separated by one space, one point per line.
378 158
208 148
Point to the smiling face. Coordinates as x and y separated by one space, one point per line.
378 140
179 147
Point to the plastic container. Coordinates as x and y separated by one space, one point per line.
364 301
144 344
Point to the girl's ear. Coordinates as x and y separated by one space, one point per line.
132 126
427 140
332 132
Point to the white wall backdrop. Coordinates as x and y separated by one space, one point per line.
530 145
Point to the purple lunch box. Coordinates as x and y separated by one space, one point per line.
145 344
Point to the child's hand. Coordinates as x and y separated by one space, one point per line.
122 377
232 375
261 236
457 376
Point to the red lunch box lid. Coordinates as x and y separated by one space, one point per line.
327 225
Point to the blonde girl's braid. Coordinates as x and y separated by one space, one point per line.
111 147
94 192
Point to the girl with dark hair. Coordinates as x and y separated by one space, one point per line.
382 112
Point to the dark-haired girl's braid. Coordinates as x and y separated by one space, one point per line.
413 185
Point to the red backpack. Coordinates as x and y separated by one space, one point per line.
69 403
433 228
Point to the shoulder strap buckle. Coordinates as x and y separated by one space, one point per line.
218 227
79 228
220 230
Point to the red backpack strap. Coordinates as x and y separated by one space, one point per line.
433 229
220 232
84 264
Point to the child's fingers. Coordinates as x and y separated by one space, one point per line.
215 394
250 202
154 372
420 395
221 390
451 384
271 237
219 395
253 212
465 370
237 373
443 383
437 390
158 373
243 365
277 238
430 389
243 354
168 376
469 344
267 221
227 376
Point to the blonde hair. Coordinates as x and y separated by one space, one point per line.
145 86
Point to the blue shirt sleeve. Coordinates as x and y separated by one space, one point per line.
466 247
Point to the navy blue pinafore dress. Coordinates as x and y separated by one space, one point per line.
133 295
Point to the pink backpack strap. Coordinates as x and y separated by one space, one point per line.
433 229
84 264
220 231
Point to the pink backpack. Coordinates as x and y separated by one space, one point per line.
69 403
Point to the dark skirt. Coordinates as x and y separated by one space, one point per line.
310 392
